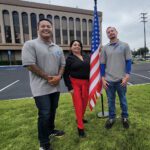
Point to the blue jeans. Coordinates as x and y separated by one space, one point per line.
111 95
46 105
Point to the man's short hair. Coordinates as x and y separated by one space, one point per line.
110 27
44 19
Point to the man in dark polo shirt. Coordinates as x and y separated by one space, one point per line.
45 62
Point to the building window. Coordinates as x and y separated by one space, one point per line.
71 29
49 17
64 30
0 35
84 30
25 26
41 16
78 29
90 31
7 27
57 29
33 25
16 24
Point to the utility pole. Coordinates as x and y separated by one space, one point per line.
144 17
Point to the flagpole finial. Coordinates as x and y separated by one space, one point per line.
95 2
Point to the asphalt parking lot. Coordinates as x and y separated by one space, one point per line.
14 81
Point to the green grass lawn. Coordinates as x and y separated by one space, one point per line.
18 125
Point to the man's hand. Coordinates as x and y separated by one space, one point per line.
105 83
54 80
125 80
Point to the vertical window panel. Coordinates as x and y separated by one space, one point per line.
64 30
25 26
71 29
41 16
90 31
84 30
7 28
33 25
49 17
16 25
57 29
78 29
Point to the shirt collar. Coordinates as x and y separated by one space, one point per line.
50 44
114 43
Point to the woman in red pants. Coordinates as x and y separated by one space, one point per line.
76 77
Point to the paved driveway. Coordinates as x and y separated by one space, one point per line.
14 81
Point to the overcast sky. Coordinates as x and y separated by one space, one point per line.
123 14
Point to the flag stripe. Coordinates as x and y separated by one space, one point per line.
95 86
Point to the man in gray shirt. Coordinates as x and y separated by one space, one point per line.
115 70
45 62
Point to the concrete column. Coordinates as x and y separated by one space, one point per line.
74 20
29 25
54 36
81 30
61 35
21 28
68 28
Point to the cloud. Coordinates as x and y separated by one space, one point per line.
123 14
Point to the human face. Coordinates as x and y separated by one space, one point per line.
112 33
76 47
45 30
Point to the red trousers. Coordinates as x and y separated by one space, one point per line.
80 99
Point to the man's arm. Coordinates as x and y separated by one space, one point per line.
61 71
128 71
35 69
54 80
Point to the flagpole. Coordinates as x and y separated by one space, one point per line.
101 114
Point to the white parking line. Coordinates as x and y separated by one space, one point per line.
9 85
141 76
129 83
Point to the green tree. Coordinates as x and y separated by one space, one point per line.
142 51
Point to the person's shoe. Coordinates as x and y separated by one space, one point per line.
57 133
45 147
81 133
109 123
125 123
84 121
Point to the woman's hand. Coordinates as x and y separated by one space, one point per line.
71 92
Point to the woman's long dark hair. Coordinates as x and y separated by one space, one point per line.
78 42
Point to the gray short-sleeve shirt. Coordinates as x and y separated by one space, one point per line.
114 56
48 57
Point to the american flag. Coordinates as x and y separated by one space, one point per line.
95 86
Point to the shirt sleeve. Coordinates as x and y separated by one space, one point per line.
103 56
63 61
128 66
102 69
67 74
28 54
128 55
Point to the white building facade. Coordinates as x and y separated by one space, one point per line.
18 23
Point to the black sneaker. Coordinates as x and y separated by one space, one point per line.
81 133
109 123
57 133
125 123
84 121
45 147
